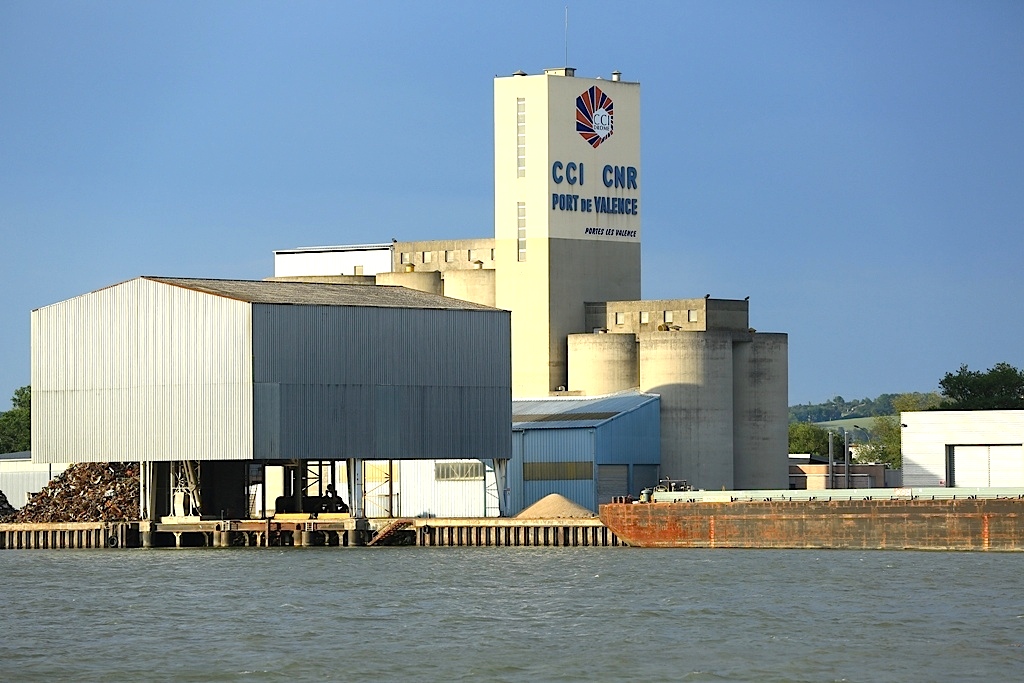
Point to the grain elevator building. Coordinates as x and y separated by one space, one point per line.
565 261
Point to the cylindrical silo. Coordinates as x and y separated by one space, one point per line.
603 363
476 285
693 373
761 436
424 281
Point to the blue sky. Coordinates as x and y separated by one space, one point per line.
856 168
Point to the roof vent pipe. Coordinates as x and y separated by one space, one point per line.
616 76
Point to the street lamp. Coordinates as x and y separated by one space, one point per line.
846 459
848 456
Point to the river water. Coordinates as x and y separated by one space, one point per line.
509 614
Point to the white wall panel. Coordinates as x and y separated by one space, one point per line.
141 371
423 495
1006 465
970 466
929 435
332 262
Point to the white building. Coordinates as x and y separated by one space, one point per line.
20 478
963 448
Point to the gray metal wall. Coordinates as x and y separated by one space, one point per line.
381 383
141 371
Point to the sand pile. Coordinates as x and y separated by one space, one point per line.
87 492
555 506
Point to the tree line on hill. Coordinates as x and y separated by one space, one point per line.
1001 387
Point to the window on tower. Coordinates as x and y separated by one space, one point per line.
521 229
521 137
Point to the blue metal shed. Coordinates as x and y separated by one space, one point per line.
587 449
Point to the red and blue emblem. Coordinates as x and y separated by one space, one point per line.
595 116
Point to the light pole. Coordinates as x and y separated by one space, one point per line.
831 461
846 458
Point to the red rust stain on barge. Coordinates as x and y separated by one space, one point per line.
968 524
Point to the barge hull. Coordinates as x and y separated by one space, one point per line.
961 524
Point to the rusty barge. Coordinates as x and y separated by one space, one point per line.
876 519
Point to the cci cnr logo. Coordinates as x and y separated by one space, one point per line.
595 116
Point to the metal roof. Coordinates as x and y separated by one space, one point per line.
574 412
318 294
334 248
17 455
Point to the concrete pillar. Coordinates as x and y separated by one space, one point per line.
356 490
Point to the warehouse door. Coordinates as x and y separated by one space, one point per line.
644 477
987 466
1006 465
612 480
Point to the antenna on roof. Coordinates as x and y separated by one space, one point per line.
567 35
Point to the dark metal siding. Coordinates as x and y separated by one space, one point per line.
381 383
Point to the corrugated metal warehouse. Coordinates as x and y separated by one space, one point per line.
171 370
587 449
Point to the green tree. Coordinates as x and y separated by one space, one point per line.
999 388
805 437
16 423
885 438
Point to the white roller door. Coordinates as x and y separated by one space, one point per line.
970 466
1006 465
988 466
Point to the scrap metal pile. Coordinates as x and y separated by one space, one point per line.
86 492
5 507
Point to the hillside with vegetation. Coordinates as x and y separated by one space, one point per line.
874 424
838 408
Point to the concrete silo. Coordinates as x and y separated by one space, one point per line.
693 373
603 363
761 412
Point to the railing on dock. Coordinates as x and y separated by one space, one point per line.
432 532
69 535
511 532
